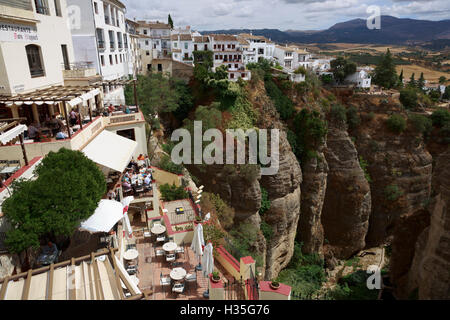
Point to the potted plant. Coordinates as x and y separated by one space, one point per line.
215 277
274 284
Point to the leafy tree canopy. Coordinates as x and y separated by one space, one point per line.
67 191
342 68
385 74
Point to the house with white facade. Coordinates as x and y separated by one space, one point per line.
100 40
361 78
258 47
182 45
228 51
134 56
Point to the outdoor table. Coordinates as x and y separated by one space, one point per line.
178 274
179 210
169 246
47 259
158 229
130 254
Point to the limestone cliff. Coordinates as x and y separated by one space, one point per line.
430 270
347 203
396 162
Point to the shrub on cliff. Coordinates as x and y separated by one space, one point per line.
353 119
440 117
408 98
396 123
392 192
421 123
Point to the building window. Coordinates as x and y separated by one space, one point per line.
160 67
232 75
58 8
121 60
65 57
102 59
206 47
147 53
243 75
145 31
111 59
95 7
117 60
146 42
186 45
42 7
35 60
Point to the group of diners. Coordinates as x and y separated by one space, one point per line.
138 176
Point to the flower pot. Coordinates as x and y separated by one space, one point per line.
274 286
215 280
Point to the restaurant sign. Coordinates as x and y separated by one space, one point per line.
17 33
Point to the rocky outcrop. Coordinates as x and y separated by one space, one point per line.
314 186
430 270
347 203
399 166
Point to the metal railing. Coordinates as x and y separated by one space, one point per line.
81 65
252 287
101 44
43 10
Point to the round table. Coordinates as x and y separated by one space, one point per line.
158 229
169 246
178 274
130 254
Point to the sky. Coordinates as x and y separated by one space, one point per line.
203 15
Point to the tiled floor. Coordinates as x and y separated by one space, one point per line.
150 268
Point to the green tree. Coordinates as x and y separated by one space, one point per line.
440 117
172 192
421 123
408 98
400 79
342 68
412 82
446 94
170 22
442 80
396 123
421 82
385 74
66 192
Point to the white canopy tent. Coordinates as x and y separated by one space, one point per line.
198 242
111 150
11 134
208 260
107 214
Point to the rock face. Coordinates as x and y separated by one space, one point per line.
347 203
283 189
430 270
395 162
284 194
314 186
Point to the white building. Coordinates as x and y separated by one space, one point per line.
361 78
291 57
35 45
100 39
257 47
228 51
134 55
182 45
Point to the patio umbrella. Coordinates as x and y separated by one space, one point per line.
126 221
208 260
198 242
107 214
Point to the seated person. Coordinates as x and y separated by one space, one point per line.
50 249
33 132
147 180
141 157
127 110
126 185
111 109
61 135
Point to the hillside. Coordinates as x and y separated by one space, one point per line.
393 31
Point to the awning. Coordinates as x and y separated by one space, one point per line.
10 135
107 214
111 150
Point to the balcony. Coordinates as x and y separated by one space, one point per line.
43 10
120 46
79 70
101 44
112 45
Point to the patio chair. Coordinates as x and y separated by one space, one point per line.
180 249
170 257
191 277
159 252
161 238
178 288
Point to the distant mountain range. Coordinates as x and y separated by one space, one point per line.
393 31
